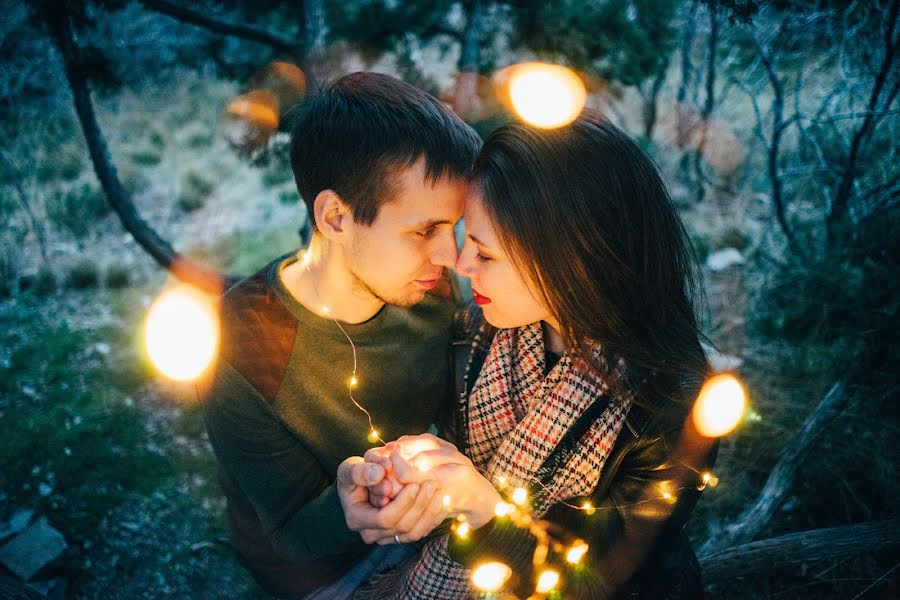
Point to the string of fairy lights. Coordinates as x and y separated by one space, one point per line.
181 335
490 577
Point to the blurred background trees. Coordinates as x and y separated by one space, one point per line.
774 122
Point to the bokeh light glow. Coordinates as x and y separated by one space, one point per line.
181 333
491 576
720 406
547 581
545 95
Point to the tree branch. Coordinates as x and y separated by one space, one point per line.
57 19
247 32
781 479
833 543
842 195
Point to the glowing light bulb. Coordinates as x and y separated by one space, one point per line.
446 501
501 481
546 95
719 406
181 333
325 310
520 496
547 581
462 530
354 381
577 552
588 508
668 496
374 436
491 576
503 509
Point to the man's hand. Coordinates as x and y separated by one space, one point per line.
407 517
465 490
408 446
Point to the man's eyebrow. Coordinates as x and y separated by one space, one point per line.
432 223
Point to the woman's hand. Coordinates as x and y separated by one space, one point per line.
408 446
405 519
464 490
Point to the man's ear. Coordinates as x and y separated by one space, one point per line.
331 214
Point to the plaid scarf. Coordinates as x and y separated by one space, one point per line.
518 424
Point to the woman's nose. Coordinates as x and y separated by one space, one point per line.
464 264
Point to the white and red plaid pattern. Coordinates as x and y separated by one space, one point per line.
517 417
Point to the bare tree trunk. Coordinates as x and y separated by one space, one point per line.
687 45
161 251
651 98
469 65
841 200
36 226
313 32
792 549
780 480
774 148
685 123
709 101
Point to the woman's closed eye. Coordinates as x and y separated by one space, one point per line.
481 257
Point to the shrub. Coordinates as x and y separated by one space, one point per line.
77 209
146 157
157 139
44 282
194 190
83 275
276 175
66 163
288 197
117 276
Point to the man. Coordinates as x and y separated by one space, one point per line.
382 169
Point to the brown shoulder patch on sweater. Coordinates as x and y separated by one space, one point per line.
257 333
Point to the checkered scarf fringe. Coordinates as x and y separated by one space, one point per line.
518 419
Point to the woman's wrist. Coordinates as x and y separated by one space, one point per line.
484 509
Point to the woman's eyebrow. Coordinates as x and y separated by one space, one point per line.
476 240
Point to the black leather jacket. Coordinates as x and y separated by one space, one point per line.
646 492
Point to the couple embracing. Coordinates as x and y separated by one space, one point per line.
359 406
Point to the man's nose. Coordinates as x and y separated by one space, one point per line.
444 251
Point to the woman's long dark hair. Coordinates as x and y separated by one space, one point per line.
584 212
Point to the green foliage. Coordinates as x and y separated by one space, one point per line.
288 197
194 190
44 282
277 174
65 163
132 179
244 254
380 24
623 40
70 445
77 208
117 276
147 157
83 275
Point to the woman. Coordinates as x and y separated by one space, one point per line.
582 278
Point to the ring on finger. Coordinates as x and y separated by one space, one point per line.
397 539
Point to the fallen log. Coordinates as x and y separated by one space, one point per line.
793 549
781 479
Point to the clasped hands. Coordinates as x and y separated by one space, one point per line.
406 488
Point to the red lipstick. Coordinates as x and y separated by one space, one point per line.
480 300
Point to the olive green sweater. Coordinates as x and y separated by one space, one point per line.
280 418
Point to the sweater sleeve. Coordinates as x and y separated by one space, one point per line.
294 498
651 495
